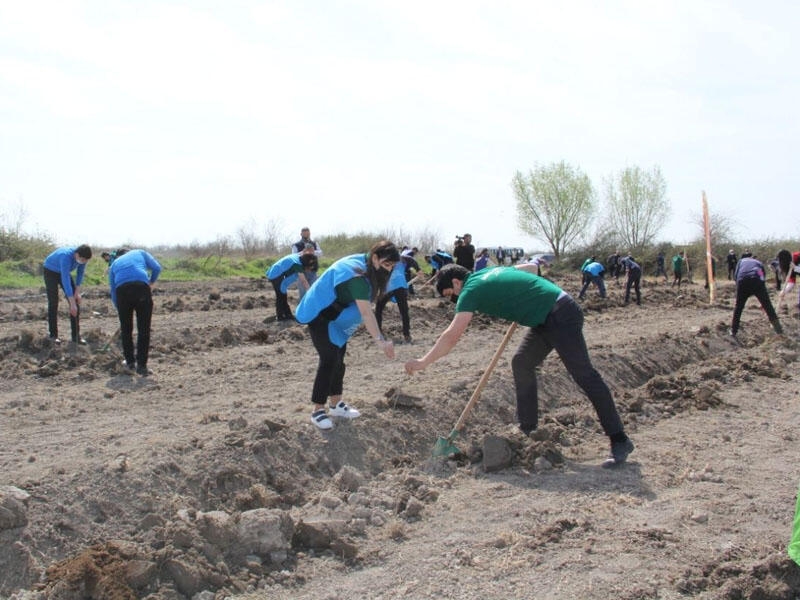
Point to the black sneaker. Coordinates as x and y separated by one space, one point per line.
619 454
143 371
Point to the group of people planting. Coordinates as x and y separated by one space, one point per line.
356 288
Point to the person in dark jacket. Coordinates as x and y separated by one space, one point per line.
303 245
464 253
634 278
730 261
661 267
750 281
131 278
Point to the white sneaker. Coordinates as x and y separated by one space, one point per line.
344 411
321 419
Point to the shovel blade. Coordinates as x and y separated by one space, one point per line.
444 445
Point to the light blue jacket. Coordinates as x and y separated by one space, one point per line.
283 266
130 267
595 269
63 261
322 294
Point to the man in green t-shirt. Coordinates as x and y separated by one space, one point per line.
555 321
677 269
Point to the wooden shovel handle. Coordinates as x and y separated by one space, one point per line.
485 377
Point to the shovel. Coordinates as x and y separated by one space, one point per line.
444 445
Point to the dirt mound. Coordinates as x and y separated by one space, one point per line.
208 479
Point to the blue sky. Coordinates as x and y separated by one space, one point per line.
179 121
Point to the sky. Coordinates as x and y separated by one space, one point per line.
176 122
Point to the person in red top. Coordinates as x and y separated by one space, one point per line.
789 265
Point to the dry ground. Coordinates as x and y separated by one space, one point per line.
207 479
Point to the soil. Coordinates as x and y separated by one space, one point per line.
207 479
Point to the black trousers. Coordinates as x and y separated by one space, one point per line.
751 286
52 281
282 308
401 295
329 380
634 279
562 331
135 297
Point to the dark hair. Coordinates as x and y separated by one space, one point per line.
84 251
309 261
445 276
378 278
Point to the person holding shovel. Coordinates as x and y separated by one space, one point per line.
555 320
333 308
58 267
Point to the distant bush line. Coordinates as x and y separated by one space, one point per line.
21 256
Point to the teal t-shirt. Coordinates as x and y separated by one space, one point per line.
510 294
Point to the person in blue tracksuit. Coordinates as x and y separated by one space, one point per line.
397 290
131 277
285 271
58 267
333 308
594 274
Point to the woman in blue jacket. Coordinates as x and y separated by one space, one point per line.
286 271
333 308
58 267
397 290
131 277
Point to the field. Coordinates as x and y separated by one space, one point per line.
207 479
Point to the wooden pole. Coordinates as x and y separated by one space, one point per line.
709 266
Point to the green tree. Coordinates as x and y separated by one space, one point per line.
637 205
555 203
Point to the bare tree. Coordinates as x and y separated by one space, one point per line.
13 218
637 205
555 203
721 228
273 240
248 239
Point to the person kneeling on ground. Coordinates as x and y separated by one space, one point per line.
555 321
